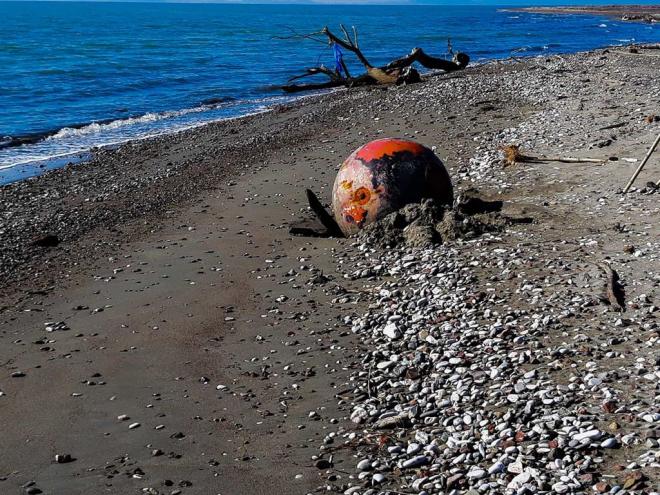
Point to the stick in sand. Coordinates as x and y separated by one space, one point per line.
513 155
569 159
641 165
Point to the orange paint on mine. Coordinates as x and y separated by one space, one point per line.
361 196
381 147
355 214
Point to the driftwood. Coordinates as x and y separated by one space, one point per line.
641 165
513 155
613 126
399 71
614 291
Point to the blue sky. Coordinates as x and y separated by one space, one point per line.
519 3
431 2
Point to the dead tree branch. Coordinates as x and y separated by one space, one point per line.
347 44
318 70
459 61
399 71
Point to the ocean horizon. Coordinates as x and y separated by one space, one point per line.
75 75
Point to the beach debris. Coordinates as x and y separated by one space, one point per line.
613 126
384 176
63 458
322 214
614 291
56 326
641 165
513 155
399 71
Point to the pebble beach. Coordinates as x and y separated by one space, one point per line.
162 332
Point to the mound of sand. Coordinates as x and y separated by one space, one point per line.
427 223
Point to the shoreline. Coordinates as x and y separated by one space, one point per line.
57 161
107 164
96 172
179 340
35 168
631 13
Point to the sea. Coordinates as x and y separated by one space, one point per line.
75 76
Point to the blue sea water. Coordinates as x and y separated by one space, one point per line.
91 74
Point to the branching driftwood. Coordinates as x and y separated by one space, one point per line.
399 71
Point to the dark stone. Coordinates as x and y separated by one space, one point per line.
47 240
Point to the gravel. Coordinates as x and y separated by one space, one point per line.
489 364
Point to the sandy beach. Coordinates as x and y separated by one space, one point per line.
162 332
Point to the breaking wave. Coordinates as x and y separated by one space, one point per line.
65 95
96 127
71 140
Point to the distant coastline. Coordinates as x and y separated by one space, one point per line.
632 13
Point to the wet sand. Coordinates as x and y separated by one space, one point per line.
200 351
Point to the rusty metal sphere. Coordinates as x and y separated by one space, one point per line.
383 176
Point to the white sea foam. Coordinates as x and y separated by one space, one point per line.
95 128
70 142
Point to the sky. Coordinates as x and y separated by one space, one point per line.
519 3
430 2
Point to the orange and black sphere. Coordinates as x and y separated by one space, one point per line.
383 176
